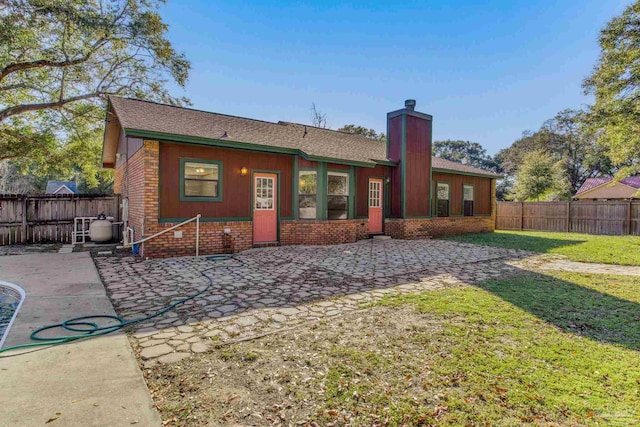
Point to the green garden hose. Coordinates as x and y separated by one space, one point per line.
86 326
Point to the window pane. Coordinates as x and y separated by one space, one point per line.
468 208
338 184
307 206
199 188
337 207
468 192
443 208
308 182
194 170
443 191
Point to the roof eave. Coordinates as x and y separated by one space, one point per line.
480 174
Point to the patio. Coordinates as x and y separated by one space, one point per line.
260 291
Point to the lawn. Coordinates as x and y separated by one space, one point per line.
560 349
622 250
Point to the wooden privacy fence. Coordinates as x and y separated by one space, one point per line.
49 218
591 217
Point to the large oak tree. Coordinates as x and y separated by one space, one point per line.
59 59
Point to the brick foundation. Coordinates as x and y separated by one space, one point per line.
323 232
213 239
424 228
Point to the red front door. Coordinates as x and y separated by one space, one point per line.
375 205
265 212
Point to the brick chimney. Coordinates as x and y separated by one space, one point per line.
409 144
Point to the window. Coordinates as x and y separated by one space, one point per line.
374 194
307 194
442 194
337 195
201 180
264 194
467 199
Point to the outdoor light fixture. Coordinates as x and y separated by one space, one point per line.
244 171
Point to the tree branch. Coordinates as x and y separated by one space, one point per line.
19 109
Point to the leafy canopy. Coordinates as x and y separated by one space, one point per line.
470 153
538 175
615 82
59 59
361 130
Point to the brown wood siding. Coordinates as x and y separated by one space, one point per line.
417 166
236 189
395 154
306 164
362 187
482 192
337 166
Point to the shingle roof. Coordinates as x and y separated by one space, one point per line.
440 163
53 186
591 183
313 141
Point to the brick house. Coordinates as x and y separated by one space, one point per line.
261 183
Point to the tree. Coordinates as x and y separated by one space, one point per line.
615 82
538 176
318 119
59 59
361 130
470 153
565 139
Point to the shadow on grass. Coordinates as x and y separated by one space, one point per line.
517 241
571 307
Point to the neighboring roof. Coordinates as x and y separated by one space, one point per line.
448 165
591 183
54 187
150 119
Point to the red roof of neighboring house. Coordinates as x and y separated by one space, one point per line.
591 183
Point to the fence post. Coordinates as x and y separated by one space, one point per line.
568 217
629 228
24 219
521 216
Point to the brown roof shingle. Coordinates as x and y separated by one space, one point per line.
314 142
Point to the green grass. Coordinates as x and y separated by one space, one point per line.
622 250
538 349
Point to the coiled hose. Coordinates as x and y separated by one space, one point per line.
86 326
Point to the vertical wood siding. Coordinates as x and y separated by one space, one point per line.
482 192
395 154
418 166
362 187
236 189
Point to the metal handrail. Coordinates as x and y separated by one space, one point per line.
195 218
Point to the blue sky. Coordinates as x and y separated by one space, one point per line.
486 71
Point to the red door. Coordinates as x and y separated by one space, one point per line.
375 205
265 213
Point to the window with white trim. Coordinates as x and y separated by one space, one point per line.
442 194
307 194
374 194
337 195
467 199
264 194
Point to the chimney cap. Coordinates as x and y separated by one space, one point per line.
410 104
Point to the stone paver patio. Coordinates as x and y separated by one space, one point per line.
264 290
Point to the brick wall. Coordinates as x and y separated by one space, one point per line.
213 239
322 232
423 228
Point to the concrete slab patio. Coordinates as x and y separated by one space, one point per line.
94 382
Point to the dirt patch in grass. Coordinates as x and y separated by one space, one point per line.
366 368
460 356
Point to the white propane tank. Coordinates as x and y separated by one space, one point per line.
100 230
